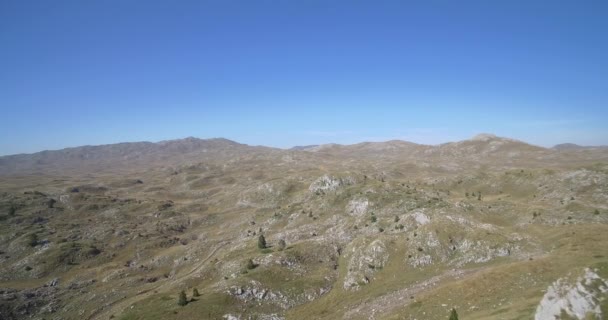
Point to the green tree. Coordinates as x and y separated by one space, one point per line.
261 242
12 210
182 300
374 219
479 196
32 239
195 293
453 315
596 212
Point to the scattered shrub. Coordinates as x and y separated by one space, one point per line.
12 210
93 251
282 244
250 265
182 300
32 239
195 293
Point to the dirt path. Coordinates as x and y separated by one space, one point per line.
117 307
384 304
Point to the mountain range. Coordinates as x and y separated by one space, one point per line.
113 157
488 228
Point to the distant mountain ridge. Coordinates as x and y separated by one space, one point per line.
110 156
142 155
573 146
304 147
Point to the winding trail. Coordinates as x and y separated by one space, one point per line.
118 306
382 305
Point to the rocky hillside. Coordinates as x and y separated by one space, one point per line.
122 156
492 227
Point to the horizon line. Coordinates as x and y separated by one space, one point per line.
475 137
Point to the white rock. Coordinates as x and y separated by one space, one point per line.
577 299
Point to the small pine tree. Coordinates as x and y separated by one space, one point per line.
282 244
396 218
479 196
32 240
596 212
374 219
195 293
453 315
182 300
261 242
11 211
250 265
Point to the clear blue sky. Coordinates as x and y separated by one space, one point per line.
284 73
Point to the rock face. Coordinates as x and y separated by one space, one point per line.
357 207
329 183
579 299
364 262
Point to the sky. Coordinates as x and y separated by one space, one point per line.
286 73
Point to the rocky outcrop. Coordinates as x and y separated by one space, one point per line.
580 299
357 207
364 262
329 183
